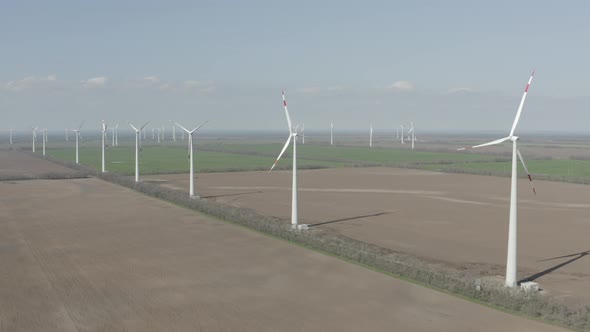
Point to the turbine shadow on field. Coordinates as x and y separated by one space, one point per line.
558 266
233 194
350 218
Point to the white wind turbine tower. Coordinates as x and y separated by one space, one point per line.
137 144
104 139
411 131
292 135
158 130
173 131
34 136
331 133
303 134
67 135
77 131
143 134
10 136
402 133
511 259
371 135
113 136
116 135
190 156
396 134
44 139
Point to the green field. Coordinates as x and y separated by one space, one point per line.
578 170
155 159
219 157
351 154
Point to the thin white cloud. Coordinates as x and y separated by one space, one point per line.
320 90
199 86
95 82
459 90
29 82
401 86
151 79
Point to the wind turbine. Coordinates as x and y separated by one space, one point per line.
67 134
117 134
396 134
292 135
303 133
402 133
113 136
511 258
158 130
44 139
10 136
137 144
331 133
104 137
77 131
143 134
173 131
34 136
371 135
411 131
190 156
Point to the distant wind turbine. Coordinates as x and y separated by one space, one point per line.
303 134
371 135
331 133
402 133
173 131
34 136
137 146
104 139
413 136
44 139
191 160
511 259
77 131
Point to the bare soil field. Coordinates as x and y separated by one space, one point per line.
19 164
86 255
461 220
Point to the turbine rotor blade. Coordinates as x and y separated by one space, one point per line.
526 170
81 124
132 126
498 141
282 151
145 124
287 113
188 131
199 127
526 89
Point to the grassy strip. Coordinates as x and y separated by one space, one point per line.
433 275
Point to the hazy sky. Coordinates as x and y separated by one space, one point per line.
446 65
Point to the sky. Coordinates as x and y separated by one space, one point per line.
445 65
